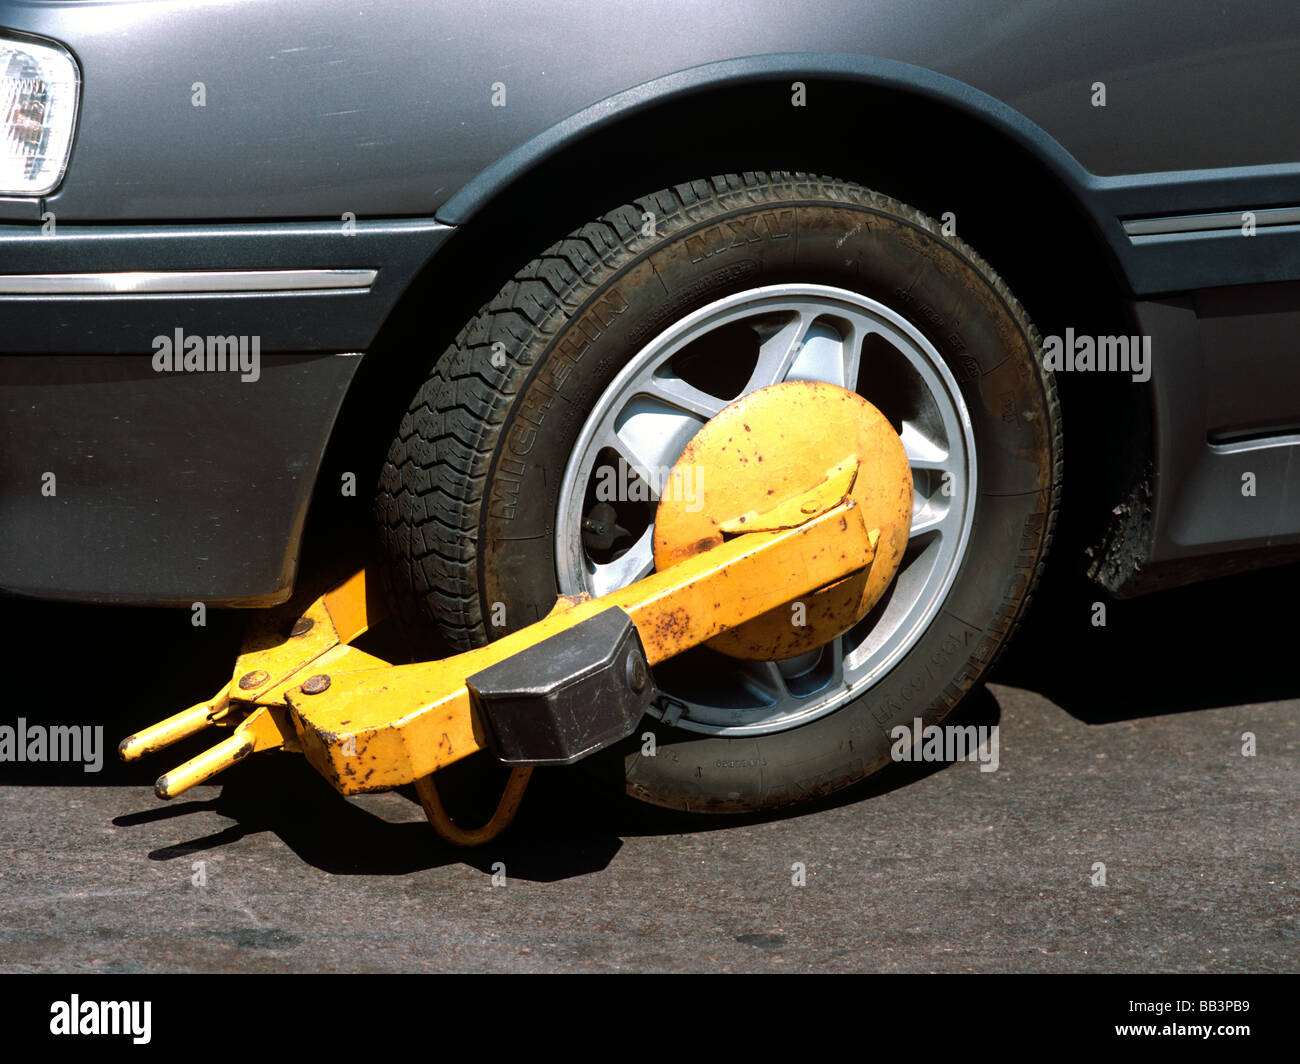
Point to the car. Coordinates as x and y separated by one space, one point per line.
452 286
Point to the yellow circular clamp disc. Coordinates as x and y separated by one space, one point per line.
772 445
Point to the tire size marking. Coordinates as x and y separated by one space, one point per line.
885 714
737 232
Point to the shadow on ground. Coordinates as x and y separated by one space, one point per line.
1224 643
1221 643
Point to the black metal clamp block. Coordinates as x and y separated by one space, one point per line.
567 696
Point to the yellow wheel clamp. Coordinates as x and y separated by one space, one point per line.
807 498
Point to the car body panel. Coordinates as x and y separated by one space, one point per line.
344 136
124 485
1230 411
400 92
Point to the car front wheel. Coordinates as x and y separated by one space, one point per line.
530 462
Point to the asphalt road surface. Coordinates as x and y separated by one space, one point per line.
1120 745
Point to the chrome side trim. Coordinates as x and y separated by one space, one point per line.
1201 223
174 281
1255 443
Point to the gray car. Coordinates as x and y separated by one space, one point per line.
285 283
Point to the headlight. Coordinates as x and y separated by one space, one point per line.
39 86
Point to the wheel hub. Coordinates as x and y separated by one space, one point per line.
768 446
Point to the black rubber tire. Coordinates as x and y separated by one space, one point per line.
468 497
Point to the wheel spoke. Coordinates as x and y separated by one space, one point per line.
685 397
626 450
829 353
636 562
924 452
936 477
852 355
929 519
650 437
776 354
933 512
835 648
766 677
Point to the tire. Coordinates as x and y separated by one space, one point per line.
469 503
